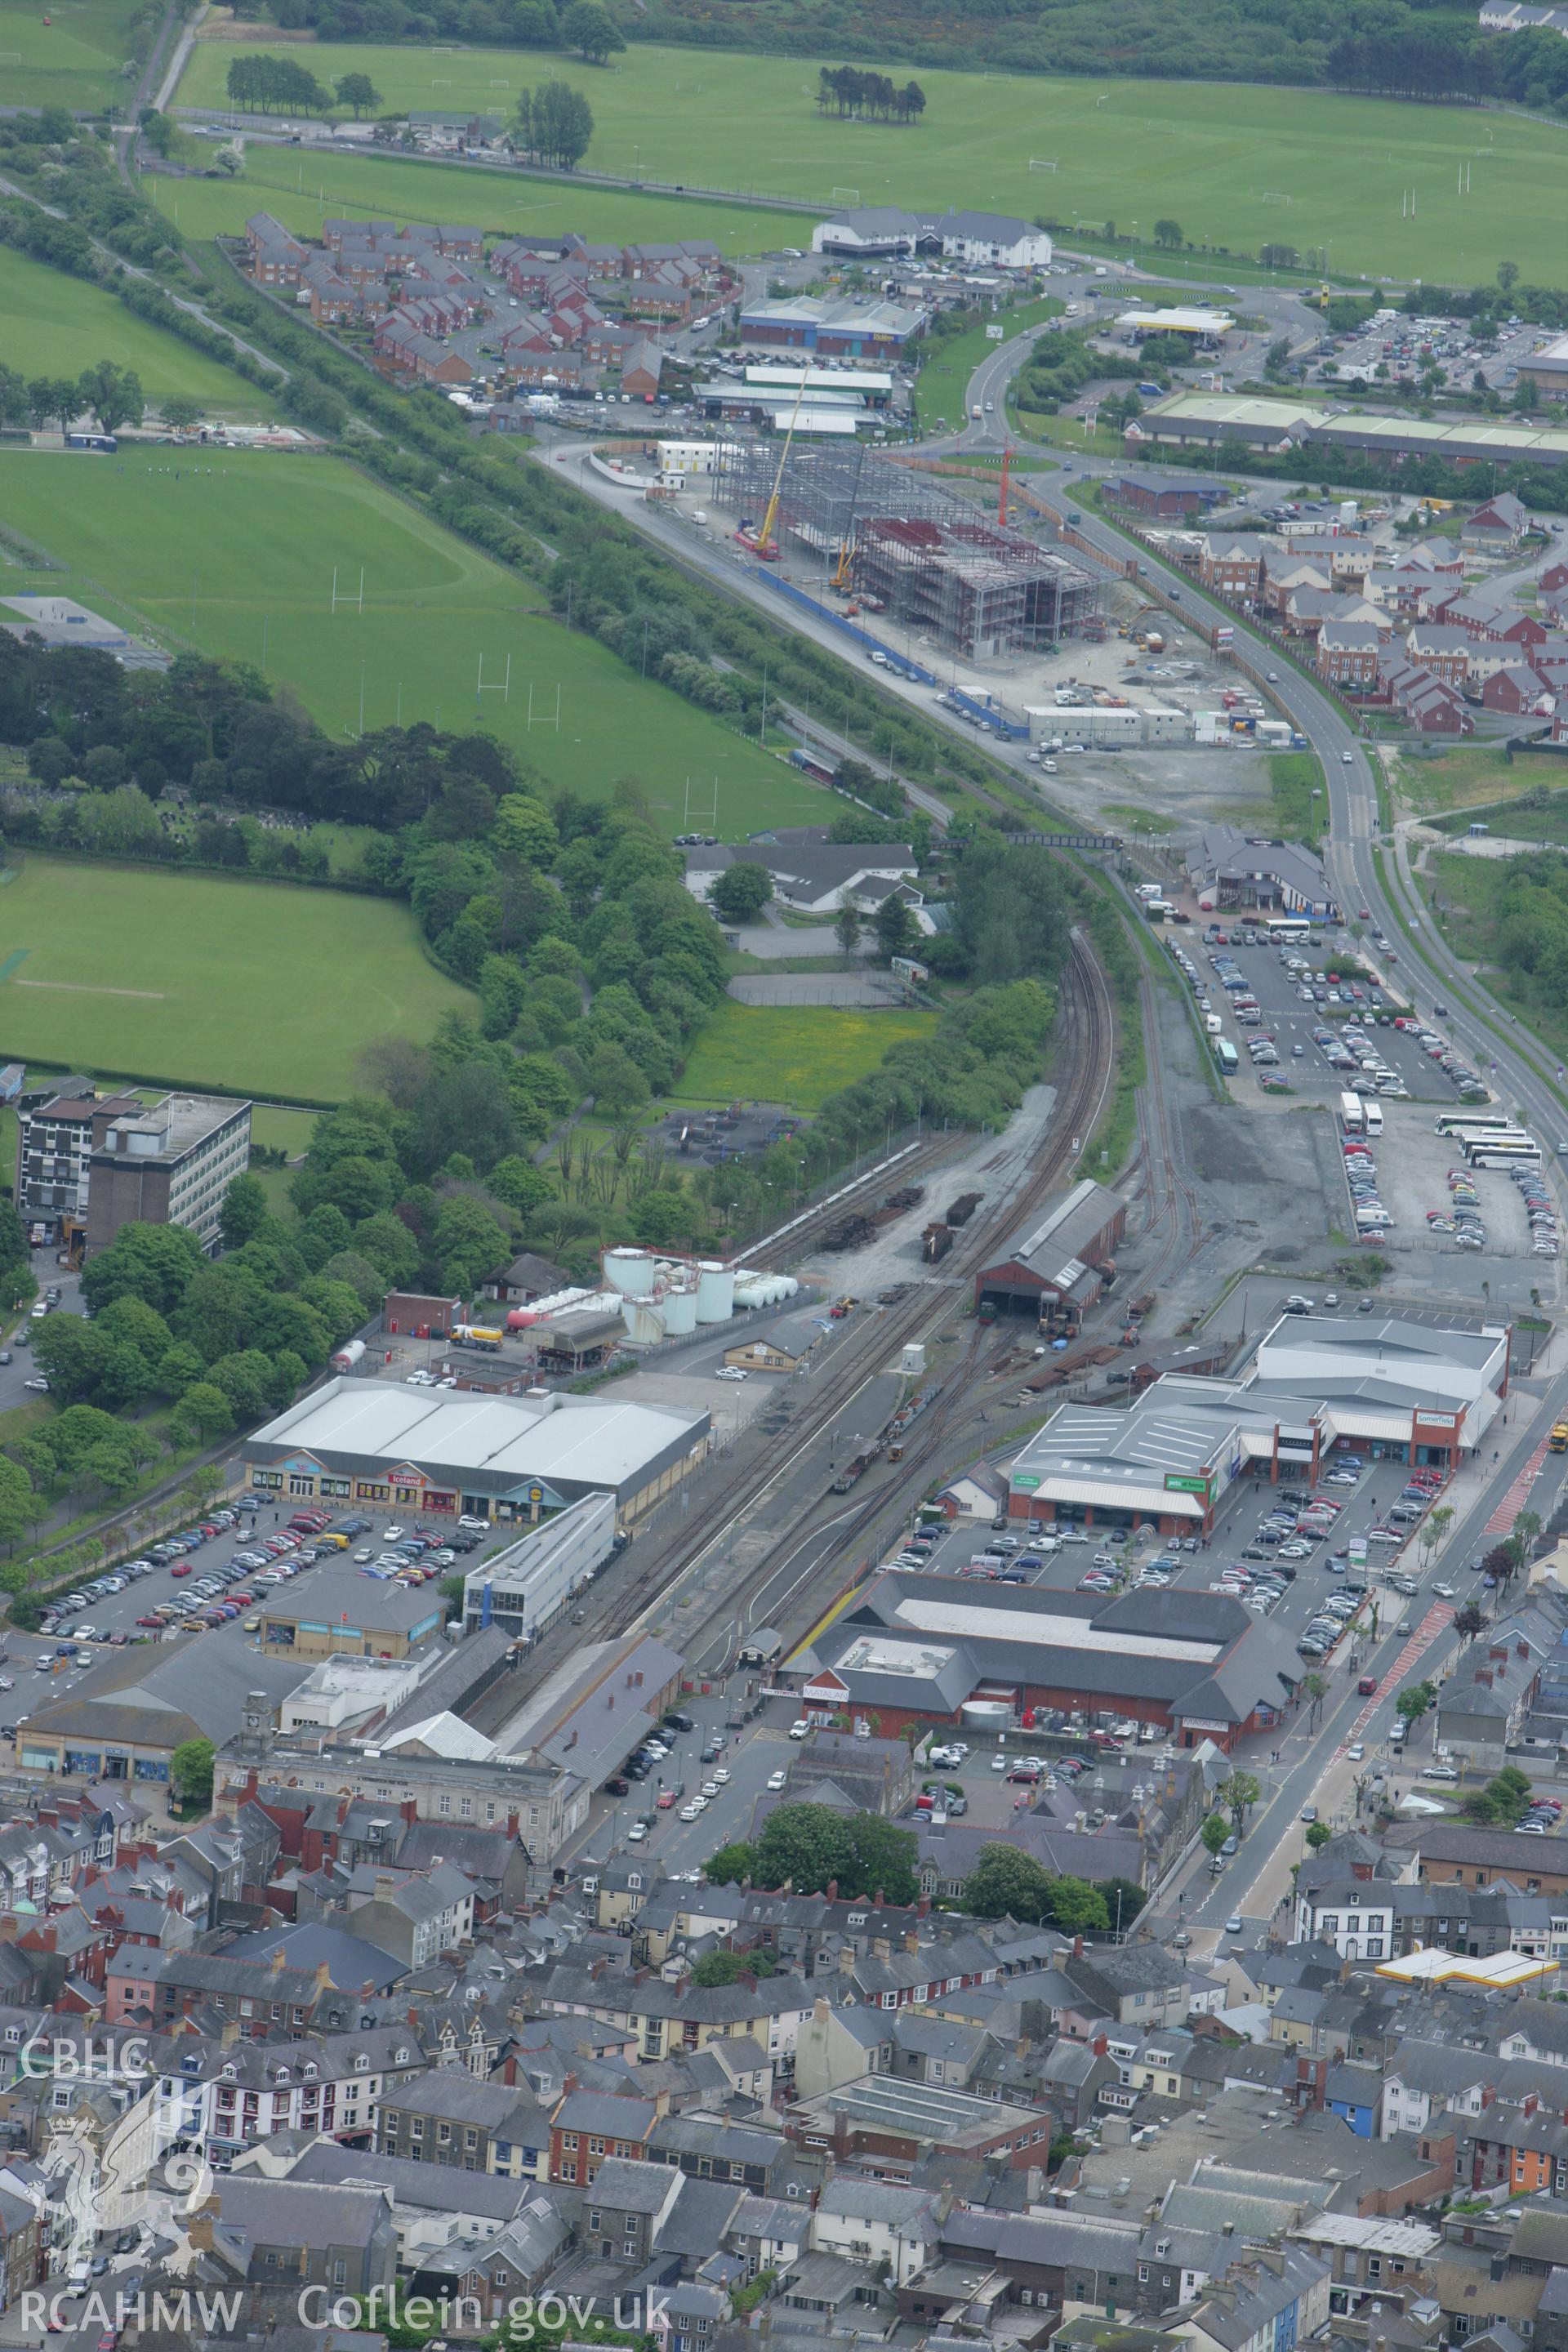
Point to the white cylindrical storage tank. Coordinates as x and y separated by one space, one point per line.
715 1292
788 1285
345 1357
986 1714
629 1270
645 1321
679 1312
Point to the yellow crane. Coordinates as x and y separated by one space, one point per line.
760 541
839 582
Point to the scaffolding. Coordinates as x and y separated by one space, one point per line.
931 561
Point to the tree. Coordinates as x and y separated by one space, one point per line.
179 414
846 926
113 393
524 829
727 1967
1436 1526
1124 1898
1469 1621
554 124
1277 355
154 1263
1508 276
896 929
1318 1834
52 400
1522 1536
1314 1690
16 1500
468 1245
244 1212
591 30
1278 257
1077 1907
230 157
519 1184
740 893
807 1845
1007 1884
191 1771
1168 233
1214 1831
732 1864
358 91
207 1411
1237 1794
451 1590
614 1081
1412 1703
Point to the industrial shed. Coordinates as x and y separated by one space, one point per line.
1058 1264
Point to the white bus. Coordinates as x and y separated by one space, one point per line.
1467 1137
1503 1155
1373 1113
1288 927
1451 1123
1352 1119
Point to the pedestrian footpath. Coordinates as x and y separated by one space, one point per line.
1517 1497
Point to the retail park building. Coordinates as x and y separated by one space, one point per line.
1422 1392
445 1452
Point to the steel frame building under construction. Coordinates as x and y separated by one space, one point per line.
936 564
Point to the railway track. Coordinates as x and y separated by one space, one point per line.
1089 1046
803 1234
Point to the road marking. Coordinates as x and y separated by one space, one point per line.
1437 1618
1518 1495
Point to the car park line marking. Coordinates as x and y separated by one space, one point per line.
1517 1494
1438 1616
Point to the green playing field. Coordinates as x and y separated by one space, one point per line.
236 552
58 326
1236 167
70 54
300 189
202 980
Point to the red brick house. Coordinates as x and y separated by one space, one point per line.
1513 687
588 2127
1232 562
1430 705
1444 650
1348 654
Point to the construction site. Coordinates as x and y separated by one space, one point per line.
898 545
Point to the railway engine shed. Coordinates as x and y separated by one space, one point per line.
1056 1265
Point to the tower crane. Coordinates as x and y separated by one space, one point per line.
761 540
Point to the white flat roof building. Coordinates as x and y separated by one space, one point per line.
1180 320
445 1450
1427 1391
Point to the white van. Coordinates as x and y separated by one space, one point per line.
1213 1024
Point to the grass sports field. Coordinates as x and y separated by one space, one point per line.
58 326
1236 167
797 1055
207 981
69 54
300 190
234 552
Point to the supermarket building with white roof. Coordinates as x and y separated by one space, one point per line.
1399 1387
447 1452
